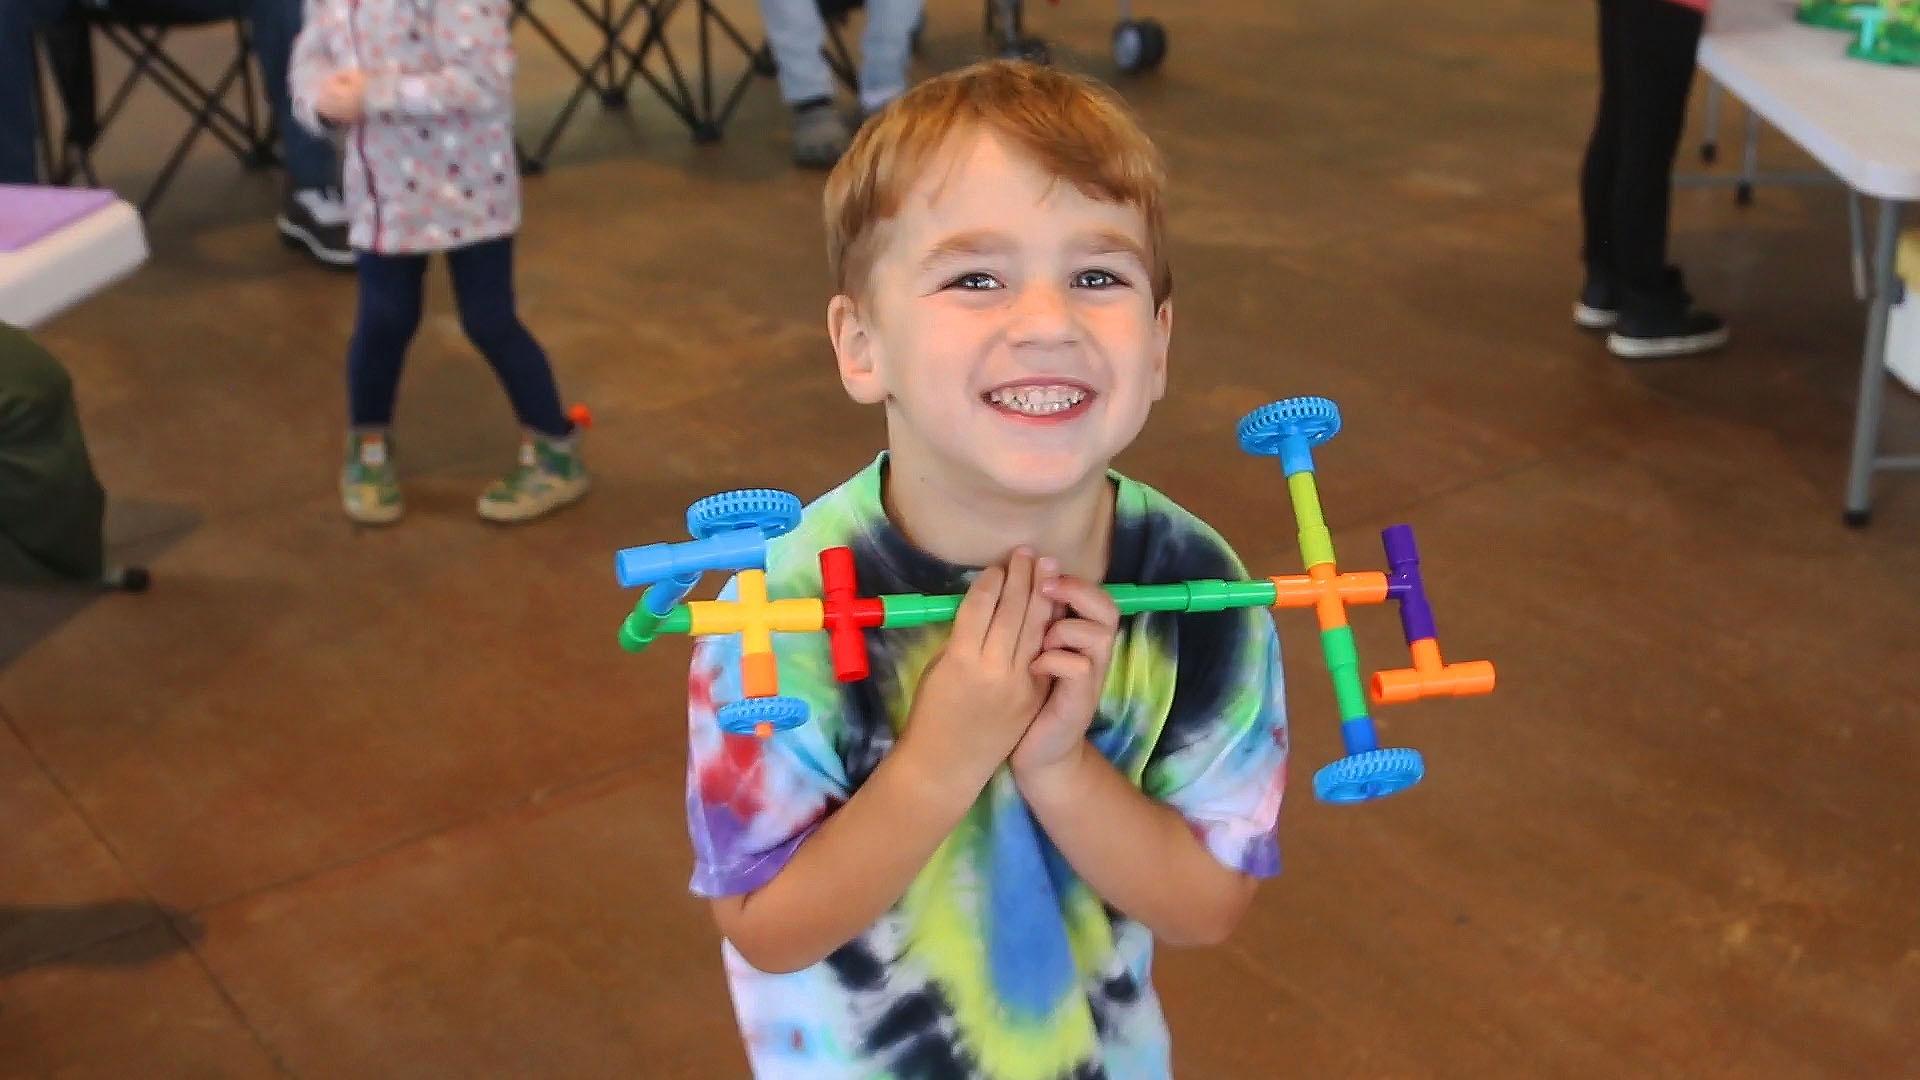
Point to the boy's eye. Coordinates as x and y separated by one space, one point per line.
1096 279
978 282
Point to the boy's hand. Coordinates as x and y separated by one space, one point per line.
979 696
342 96
1078 651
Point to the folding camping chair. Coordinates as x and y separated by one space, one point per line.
610 72
140 30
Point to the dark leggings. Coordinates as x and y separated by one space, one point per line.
1647 52
389 313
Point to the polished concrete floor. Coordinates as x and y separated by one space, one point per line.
335 803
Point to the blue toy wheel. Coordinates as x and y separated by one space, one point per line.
1375 774
1315 419
773 512
745 717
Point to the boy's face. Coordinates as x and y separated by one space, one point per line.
1008 325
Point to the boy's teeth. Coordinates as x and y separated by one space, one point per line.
1038 400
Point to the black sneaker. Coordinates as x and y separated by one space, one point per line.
316 219
820 134
1666 331
1599 305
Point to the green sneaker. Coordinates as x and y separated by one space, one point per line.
369 489
550 475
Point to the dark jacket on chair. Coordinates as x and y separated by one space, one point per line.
51 504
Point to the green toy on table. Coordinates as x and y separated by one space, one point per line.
1885 31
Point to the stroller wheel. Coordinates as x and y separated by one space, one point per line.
1139 45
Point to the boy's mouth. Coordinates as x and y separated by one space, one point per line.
1043 399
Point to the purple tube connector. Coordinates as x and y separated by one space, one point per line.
1404 583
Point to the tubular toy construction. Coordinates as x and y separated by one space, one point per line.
730 532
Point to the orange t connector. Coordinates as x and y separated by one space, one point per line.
1431 677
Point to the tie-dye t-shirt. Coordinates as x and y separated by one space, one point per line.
998 962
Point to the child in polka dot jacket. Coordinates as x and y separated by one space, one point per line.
421 92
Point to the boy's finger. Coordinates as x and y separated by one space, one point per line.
1062 664
976 610
1087 599
1010 610
1040 610
1084 636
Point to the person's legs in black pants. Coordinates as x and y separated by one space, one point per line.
313 216
550 473
1596 175
483 287
1659 42
391 287
18 124
309 158
1647 54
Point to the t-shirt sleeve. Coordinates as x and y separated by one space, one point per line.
1221 760
750 802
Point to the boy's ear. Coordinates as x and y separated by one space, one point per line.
855 350
1163 337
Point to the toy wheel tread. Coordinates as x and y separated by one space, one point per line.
1315 419
747 716
1375 774
772 511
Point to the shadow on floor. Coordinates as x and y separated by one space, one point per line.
106 934
137 533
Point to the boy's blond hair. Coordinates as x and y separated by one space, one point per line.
1072 126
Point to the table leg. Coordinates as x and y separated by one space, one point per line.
1749 160
1857 240
1710 125
1873 366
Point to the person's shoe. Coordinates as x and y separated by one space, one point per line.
1599 305
1662 323
1665 332
820 135
315 219
550 475
369 488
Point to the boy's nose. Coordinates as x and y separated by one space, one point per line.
1042 316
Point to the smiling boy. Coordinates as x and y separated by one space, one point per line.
959 866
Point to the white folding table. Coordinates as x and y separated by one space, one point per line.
60 245
1861 122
